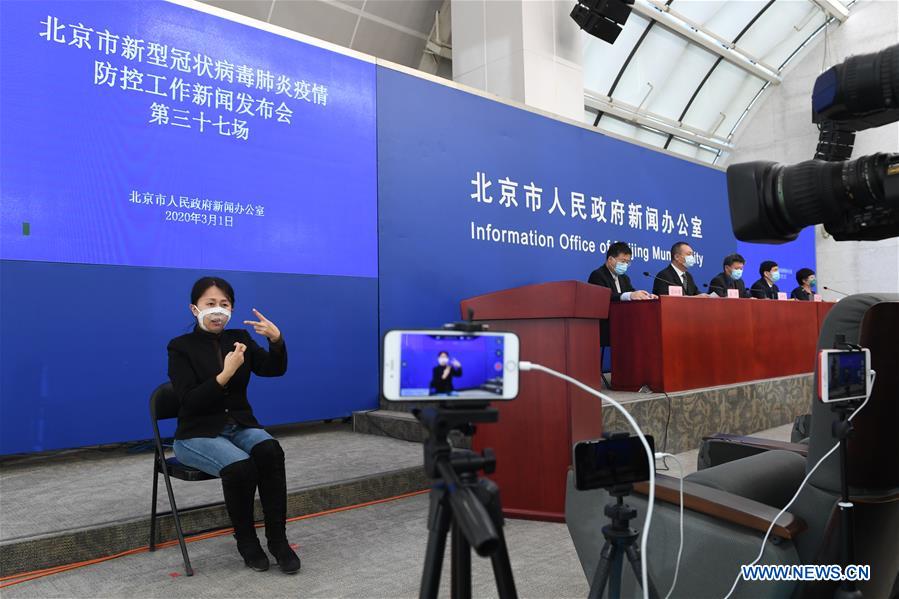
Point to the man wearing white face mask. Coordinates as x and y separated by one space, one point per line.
765 287
676 275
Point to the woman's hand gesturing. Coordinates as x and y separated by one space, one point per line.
233 361
264 327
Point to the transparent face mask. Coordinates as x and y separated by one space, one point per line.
213 317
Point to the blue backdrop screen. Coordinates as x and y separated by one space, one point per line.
790 257
490 196
144 145
150 134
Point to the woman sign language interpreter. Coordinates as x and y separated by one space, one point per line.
210 369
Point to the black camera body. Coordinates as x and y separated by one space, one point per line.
853 199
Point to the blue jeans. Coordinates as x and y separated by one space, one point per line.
211 454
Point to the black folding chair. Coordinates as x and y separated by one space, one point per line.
164 405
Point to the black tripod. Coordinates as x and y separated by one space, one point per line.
842 430
463 503
620 541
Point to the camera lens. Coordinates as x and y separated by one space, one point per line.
808 193
770 202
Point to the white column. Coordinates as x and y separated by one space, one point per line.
524 50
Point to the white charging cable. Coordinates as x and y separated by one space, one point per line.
801 485
644 576
680 547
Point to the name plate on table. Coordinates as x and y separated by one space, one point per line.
782 295
733 293
818 297
675 290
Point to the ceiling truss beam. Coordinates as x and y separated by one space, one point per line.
701 36
644 118
833 8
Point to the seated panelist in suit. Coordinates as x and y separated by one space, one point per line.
806 279
765 287
730 278
675 274
612 275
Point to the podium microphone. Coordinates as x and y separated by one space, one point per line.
646 274
835 291
706 285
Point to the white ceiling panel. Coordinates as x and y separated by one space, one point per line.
667 75
604 60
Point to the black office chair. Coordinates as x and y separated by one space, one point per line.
164 405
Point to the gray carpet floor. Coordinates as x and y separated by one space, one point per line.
81 490
370 552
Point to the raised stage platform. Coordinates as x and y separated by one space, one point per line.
86 504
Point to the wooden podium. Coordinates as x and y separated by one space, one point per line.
558 325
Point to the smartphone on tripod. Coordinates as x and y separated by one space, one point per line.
607 463
449 366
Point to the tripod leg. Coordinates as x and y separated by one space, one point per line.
633 556
438 527
488 493
603 570
461 574
502 568
617 559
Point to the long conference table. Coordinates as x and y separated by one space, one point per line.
678 343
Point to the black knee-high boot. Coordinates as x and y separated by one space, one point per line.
239 486
269 458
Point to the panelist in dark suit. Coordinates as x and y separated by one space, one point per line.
612 274
765 287
682 259
730 278
806 278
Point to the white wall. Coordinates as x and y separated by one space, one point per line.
528 51
779 128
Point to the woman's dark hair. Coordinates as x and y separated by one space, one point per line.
766 266
205 283
803 273
443 353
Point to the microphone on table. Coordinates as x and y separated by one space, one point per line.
835 291
710 287
646 274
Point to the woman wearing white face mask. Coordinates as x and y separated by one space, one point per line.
806 279
443 374
217 433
